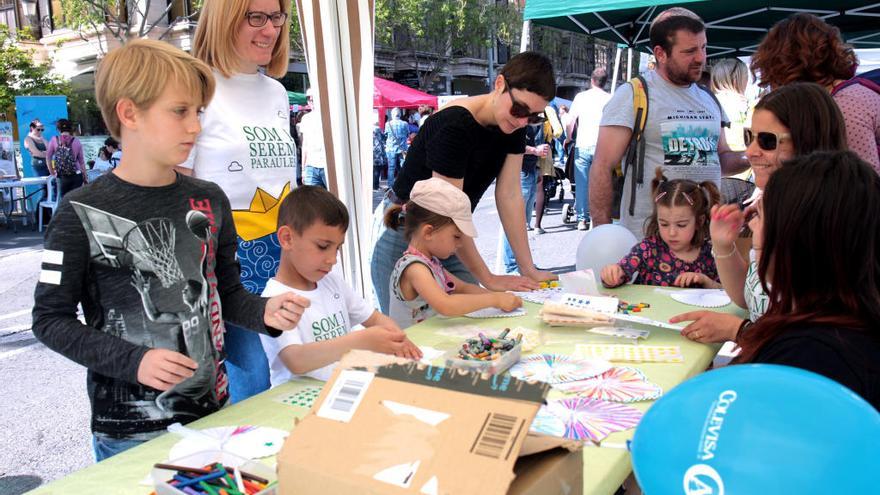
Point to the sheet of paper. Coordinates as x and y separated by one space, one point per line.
631 353
429 354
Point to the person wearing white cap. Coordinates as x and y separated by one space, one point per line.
435 220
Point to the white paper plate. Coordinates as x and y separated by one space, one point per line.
496 313
705 298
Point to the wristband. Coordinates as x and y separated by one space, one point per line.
723 256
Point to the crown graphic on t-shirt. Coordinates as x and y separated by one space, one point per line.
261 217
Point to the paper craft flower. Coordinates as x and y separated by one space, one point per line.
619 384
581 418
557 368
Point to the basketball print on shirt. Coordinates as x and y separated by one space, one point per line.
173 301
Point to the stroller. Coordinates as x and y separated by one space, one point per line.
568 212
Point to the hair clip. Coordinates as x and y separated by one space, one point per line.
688 198
660 196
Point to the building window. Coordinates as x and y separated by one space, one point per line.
179 9
7 15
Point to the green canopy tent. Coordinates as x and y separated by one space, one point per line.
734 28
295 98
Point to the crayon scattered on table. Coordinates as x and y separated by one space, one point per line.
627 308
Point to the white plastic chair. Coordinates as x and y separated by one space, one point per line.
53 197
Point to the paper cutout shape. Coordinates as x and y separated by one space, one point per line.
704 298
631 353
581 418
557 368
619 384
261 218
431 487
541 295
249 442
427 416
302 398
400 475
496 313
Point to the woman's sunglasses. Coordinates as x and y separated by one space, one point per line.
40 128
767 141
520 110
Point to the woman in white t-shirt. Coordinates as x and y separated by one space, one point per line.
730 76
246 148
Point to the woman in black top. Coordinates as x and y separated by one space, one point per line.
471 143
817 239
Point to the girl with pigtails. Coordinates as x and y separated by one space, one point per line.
676 250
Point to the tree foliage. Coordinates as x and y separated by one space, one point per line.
430 34
125 19
20 75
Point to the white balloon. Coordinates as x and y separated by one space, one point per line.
604 245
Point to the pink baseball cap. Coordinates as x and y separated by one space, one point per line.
443 198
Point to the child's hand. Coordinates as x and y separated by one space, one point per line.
506 301
690 279
162 369
384 340
284 310
613 275
726 223
410 350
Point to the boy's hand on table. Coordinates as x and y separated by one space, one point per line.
410 350
384 340
284 310
162 369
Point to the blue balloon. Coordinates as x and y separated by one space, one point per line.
758 428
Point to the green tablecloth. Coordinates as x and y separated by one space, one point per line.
604 468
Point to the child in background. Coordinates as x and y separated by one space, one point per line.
676 250
311 228
150 255
437 215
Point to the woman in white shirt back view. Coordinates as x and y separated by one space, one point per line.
730 76
246 148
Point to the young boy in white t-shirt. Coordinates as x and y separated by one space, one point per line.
311 228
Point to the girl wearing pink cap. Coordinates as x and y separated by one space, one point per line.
435 220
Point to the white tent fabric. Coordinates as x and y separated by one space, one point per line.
338 40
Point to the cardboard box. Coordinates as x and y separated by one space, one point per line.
383 425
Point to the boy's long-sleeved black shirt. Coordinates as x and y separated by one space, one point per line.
153 267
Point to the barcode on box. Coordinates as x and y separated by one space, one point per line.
345 396
497 436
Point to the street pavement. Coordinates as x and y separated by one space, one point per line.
45 422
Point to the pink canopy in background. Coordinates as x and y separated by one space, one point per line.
389 94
